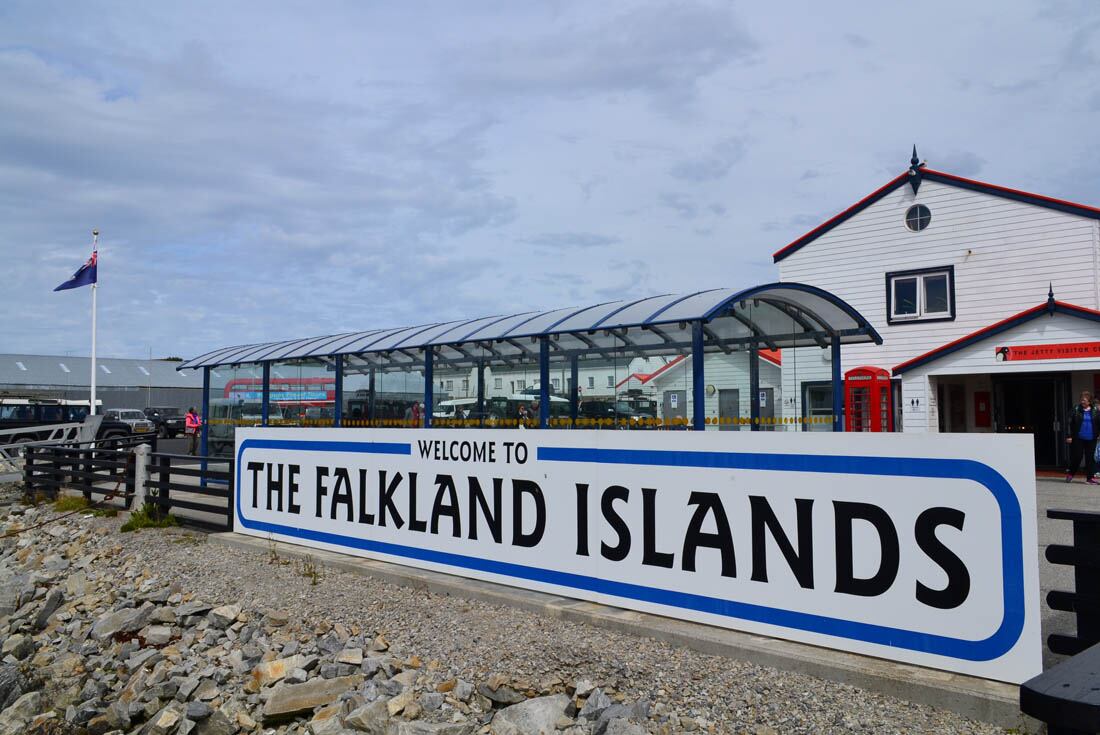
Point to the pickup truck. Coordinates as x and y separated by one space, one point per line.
169 421
32 413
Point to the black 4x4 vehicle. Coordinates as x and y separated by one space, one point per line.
28 413
168 421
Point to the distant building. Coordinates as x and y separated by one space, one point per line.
120 383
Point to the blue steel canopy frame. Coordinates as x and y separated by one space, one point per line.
776 316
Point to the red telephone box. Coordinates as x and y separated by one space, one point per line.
867 404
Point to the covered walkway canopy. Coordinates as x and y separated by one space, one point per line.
772 316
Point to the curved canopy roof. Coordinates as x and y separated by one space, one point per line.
775 315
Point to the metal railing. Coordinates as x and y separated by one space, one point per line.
1084 601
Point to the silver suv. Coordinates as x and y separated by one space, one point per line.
131 416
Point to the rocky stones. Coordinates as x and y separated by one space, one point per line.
13 684
156 635
292 699
270 672
224 616
595 705
350 656
371 718
537 716
164 721
197 710
14 719
121 621
17 646
53 601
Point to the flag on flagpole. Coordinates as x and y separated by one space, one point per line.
84 276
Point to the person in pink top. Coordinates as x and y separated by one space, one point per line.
193 427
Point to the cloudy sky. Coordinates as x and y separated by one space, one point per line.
274 170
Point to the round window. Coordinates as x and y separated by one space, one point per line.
917 217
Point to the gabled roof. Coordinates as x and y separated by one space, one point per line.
1049 308
944 178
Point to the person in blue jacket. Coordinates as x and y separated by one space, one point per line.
1084 427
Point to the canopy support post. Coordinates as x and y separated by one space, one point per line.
544 382
754 387
574 388
481 391
698 378
338 394
838 385
370 396
203 438
429 386
265 394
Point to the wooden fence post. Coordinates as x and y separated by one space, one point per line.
164 502
28 470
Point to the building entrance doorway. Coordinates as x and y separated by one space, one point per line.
1035 404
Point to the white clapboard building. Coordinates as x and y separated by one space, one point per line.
987 299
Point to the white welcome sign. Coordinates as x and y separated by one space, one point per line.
916 548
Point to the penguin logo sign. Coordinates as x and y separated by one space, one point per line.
917 548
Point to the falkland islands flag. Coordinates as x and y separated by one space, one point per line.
84 276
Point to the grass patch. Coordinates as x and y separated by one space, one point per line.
148 516
36 497
68 503
311 570
189 539
105 512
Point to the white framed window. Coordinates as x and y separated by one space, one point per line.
556 383
591 382
450 385
610 381
921 295
498 383
465 385
521 384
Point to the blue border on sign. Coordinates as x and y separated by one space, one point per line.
997 644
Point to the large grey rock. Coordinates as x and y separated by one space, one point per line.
597 702
19 646
53 601
417 727
292 699
126 620
638 711
224 616
503 694
215 724
198 710
13 720
13 685
371 718
534 717
620 726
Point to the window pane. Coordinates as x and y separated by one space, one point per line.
935 294
905 297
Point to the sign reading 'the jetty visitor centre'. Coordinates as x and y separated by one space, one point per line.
919 548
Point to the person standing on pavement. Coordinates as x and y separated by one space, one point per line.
1084 425
193 427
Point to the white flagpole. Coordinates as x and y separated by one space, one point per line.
95 249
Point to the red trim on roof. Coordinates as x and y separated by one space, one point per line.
977 336
646 377
1003 191
1014 192
837 219
775 357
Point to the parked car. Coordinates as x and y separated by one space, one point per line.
132 417
614 410
41 413
168 421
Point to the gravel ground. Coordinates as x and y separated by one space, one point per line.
473 640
